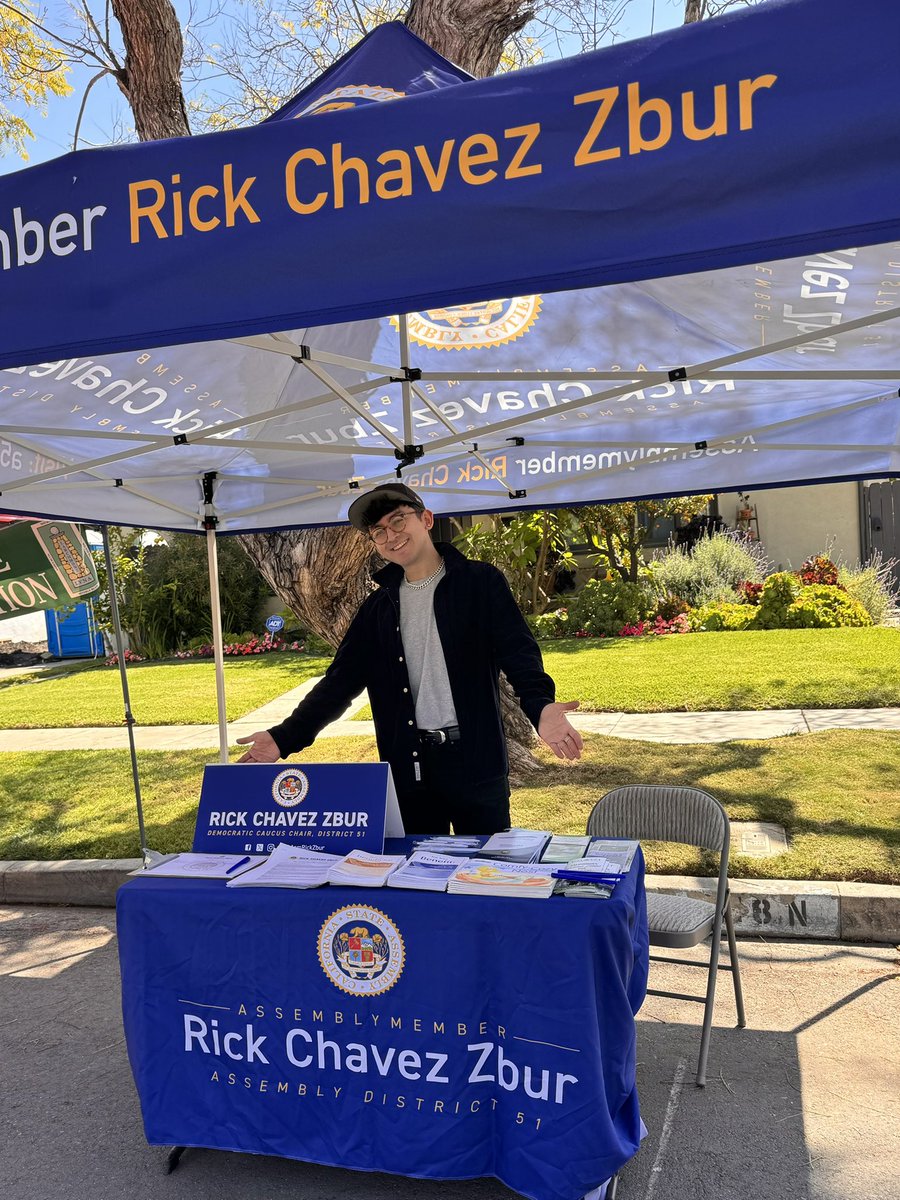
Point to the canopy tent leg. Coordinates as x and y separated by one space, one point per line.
215 605
123 675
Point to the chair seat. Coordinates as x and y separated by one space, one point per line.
678 920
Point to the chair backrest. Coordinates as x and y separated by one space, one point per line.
666 814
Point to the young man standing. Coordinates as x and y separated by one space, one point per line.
429 645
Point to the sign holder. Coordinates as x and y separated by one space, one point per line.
248 808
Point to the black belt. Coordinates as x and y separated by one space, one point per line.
438 737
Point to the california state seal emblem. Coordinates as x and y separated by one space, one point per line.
361 950
473 326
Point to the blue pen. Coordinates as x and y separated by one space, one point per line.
240 863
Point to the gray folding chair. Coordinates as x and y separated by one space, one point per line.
694 818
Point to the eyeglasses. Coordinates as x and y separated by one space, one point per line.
395 524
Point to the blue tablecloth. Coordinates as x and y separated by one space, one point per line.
437 1036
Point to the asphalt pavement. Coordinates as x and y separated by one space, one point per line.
801 1105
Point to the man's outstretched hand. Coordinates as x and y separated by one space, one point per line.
263 747
554 728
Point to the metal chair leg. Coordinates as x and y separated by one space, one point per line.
710 1000
735 968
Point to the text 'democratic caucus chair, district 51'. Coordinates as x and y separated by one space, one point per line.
694 818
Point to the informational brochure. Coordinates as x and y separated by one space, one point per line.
613 856
483 878
201 866
361 869
564 847
516 845
425 871
583 889
445 843
289 867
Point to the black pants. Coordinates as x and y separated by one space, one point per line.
445 795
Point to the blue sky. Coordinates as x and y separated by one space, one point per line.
106 108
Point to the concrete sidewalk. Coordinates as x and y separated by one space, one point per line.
672 727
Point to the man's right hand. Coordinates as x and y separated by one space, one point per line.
263 748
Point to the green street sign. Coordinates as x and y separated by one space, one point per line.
43 564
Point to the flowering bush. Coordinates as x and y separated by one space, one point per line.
130 657
779 593
241 649
819 569
604 606
660 626
750 592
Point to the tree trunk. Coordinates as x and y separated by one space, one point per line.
151 79
694 10
471 33
321 574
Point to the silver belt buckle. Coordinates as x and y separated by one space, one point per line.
443 736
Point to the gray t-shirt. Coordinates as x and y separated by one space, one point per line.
425 656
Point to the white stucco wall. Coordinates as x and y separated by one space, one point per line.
799 521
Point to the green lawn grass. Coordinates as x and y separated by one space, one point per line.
835 793
778 668
175 693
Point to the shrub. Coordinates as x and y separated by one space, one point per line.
550 625
819 569
604 606
873 585
824 606
671 606
721 617
779 593
750 592
711 571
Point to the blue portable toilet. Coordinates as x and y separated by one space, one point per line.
74 635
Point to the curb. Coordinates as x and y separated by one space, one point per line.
821 910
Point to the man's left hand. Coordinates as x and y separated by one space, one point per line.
554 728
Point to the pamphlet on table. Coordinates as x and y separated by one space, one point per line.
612 855
481 878
425 871
516 845
201 866
445 843
564 847
289 867
361 869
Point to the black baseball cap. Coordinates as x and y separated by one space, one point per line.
362 506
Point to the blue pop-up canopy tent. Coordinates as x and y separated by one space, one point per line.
665 267
659 268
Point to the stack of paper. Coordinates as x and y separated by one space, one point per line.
516 845
564 847
428 872
444 843
502 879
290 867
613 856
361 869
201 866
583 888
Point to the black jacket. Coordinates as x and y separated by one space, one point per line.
482 632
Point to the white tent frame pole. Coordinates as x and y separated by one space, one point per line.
645 378
698 371
339 390
474 452
405 386
126 697
281 344
215 605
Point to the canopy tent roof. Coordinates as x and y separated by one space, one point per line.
665 180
